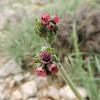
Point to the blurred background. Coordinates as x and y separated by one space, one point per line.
77 45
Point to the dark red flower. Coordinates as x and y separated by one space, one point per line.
53 68
45 18
40 71
56 18
51 27
46 57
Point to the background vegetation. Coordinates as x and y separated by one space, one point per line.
21 42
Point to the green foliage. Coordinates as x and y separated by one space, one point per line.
41 30
84 72
23 41
37 57
70 6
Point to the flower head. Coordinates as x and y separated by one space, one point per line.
53 68
45 18
56 18
46 57
40 71
51 27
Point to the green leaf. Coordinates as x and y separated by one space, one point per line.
97 63
43 65
39 24
37 61
52 39
36 19
52 52
52 49
36 57
48 49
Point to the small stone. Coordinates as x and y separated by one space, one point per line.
33 99
67 93
17 94
53 93
7 94
12 98
42 93
5 15
28 89
1 88
62 99
12 83
31 77
82 91
10 68
41 82
17 5
9 82
2 96
27 75
39 2
18 78
2 81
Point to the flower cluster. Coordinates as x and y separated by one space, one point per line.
47 26
48 62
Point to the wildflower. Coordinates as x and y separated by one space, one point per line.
56 18
47 70
40 71
45 18
51 27
53 68
46 57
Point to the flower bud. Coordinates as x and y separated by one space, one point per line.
53 68
45 18
51 27
40 71
46 57
56 18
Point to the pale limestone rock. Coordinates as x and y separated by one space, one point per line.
82 91
2 96
18 78
17 5
10 68
29 89
9 82
5 15
53 93
1 88
40 2
17 94
33 99
2 81
12 83
41 82
27 75
42 92
67 93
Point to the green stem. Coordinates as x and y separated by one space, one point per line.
66 77
46 43
70 83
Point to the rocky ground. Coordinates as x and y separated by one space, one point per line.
15 85
87 27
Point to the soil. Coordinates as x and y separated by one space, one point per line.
87 27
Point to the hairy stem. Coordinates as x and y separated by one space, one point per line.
46 43
66 77
70 83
